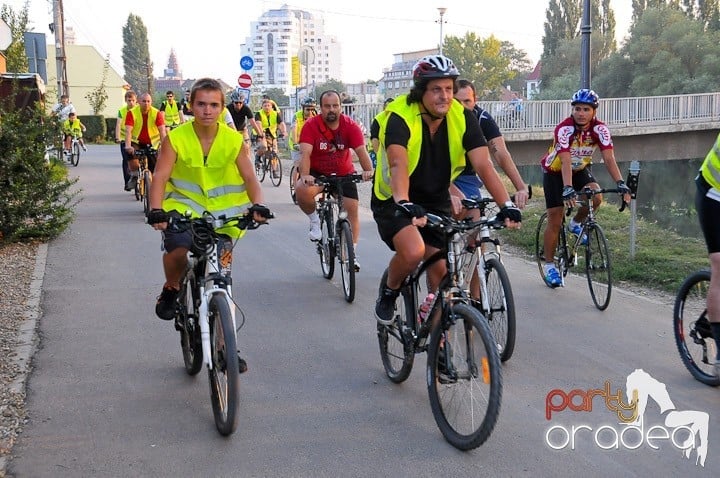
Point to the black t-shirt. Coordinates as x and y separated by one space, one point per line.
489 128
430 180
185 105
375 129
240 117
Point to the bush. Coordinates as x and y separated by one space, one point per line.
96 128
36 201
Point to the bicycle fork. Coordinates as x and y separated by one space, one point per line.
204 318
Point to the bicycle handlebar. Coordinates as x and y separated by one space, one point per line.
589 192
334 179
210 222
147 151
463 225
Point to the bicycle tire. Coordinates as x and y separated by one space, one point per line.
273 179
326 246
224 376
598 266
147 182
75 154
465 343
190 341
260 168
559 258
346 252
691 327
501 315
396 349
294 176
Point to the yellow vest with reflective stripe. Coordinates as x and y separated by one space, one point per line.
153 130
710 168
172 113
413 119
122 112
269 121
211 184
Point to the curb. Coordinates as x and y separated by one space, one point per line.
27 334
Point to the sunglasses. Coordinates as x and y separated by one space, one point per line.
238 102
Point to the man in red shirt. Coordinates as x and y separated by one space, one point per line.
325 144
144 126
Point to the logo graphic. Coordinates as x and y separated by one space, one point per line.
686 430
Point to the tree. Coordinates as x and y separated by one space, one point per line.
136 56
98 96
489 63
331 84
17 61
278 96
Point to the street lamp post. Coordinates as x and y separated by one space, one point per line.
442 11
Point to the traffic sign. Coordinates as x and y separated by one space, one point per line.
244 80
246 63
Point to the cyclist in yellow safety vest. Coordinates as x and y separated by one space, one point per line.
144 126
72 127
707 204
173 111
270 121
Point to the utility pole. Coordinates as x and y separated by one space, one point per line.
60 59
442 11
585 31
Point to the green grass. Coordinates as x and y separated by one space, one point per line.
662 258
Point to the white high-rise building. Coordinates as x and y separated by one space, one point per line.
281 34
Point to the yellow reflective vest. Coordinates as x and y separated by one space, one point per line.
172 113
213 183
122 113
411 114
299 122
270 121
710 168
153 130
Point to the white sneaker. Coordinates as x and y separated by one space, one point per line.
315 233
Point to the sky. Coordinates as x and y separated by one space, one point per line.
207 40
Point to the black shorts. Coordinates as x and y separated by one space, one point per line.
389 224
708 210
553 185
349 189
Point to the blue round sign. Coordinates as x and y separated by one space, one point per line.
246 63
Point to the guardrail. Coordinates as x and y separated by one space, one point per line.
542 116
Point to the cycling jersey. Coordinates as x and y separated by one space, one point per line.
331 148
580 144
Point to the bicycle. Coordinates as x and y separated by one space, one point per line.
293 179
269 162
205 312
596 260
464 377
691 327
337 239
73 154
144 156
496 301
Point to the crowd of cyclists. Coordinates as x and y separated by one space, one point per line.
428 149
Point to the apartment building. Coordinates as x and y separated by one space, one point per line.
397 80
281 34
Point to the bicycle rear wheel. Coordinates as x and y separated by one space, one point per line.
275 170
693 336
187 325
501 313
464 378
326 246
347 260
559 257
75 154
224 376
396 349
260 168
597 267
294 176
146 181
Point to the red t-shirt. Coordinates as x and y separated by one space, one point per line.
331 148
144 136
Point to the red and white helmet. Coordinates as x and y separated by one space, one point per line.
432 67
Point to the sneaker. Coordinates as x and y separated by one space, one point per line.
242 364
165 306
553 278
315 233
84 148
385 306
357 265
132 182
576 229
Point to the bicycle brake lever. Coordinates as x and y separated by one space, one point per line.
624 205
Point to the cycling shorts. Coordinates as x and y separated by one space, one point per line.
389 224
469 185
553 185
707 203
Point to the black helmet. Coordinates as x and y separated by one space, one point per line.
432 67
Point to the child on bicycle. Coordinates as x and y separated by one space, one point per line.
567 168
73 127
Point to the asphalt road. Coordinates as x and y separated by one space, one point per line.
109 396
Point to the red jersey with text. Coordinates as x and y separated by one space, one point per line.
580 144
331 147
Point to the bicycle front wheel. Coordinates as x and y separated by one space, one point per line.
275 170
693 336
597 267
559 255
260 168
146 182
326 246
464 378
501 308
190 341
294 176
396 350
347 260
75 154
224 375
